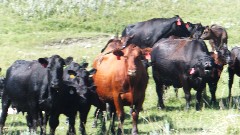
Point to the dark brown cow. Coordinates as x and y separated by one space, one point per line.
234 67
217 36
121 80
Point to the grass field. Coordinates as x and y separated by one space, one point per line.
32 29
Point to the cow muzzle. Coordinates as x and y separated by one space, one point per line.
55 84
207 68
132 72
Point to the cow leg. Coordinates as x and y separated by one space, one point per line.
187 92
120 113
213 88
230 82
5 105
43 120
112 112
71 128
199 96
211 42
96 115
83 118
33 119
159 90
53 123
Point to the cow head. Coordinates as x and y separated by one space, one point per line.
54 66
207 33
224 55
84 84
133 54
195 30
179 28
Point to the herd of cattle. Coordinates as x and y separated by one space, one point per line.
175 50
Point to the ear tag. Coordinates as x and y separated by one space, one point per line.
44 65
71 92
148 56
72 76
178 22
118 57
192 71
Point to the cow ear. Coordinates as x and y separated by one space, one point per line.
147 52
92 71
84 65
68 60
43 62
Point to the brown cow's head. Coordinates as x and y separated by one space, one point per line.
133 56
207 33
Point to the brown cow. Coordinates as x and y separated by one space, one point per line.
121 80
216 35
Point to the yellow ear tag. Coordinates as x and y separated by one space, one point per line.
72 76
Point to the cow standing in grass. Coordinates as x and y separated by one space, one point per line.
121 80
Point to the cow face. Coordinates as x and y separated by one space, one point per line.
180 29
54 66
195 30
224 55
206 35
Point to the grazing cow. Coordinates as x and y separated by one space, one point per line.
221 58
217 36
182 63
121 80
149 32
233 67
29 82
195 30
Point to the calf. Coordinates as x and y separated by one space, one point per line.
221 58
91 97
27 83
121 80
217 36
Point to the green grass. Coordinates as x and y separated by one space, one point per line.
30 34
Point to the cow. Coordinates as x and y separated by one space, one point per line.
181 63
217 36
79 72
148 32
121 80
68 101
233 67
221 58
27 84
195 30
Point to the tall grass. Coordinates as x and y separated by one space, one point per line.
30 29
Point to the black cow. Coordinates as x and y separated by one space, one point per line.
67 102
149 32
181 63
91 98
195 30
27 84
234 67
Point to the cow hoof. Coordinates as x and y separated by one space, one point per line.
94 125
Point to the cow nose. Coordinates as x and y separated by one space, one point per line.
207 64
131 72
55 84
